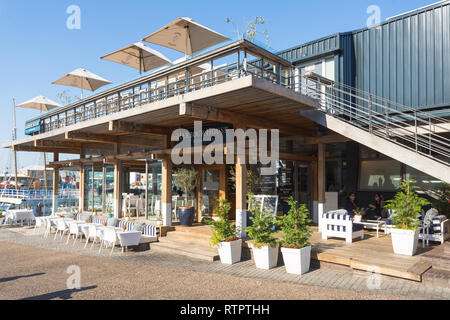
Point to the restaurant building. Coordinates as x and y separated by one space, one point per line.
356 111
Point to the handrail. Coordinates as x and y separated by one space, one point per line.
405 126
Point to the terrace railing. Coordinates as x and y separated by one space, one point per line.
163 85
413 129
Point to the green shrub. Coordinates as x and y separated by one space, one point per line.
296 226
407 206
223 230
262 231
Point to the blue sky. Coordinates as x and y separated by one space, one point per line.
37 47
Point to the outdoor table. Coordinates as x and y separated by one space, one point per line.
19 215
371 224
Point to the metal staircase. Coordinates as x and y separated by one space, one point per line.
417 138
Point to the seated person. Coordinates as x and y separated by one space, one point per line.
376 208
351 206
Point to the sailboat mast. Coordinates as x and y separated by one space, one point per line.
15 152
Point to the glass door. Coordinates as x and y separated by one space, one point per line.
210 191
305 185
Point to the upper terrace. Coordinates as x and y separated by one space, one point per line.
230 62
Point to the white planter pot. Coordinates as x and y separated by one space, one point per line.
404 241
230 252
265 257
297 261
357 219
159 223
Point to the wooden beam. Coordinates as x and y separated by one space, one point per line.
331 138
57 144
219 115
122 127
90 137
24 148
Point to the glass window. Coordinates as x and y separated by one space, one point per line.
379 175
423 181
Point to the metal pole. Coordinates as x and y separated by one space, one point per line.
370 114
429 119
15 152
146 189
415 125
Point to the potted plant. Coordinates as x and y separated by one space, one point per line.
110 214
406 207
358 216
265 246
224 235
159 220
186 179
296 230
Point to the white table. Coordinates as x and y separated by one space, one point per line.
14 216
373 224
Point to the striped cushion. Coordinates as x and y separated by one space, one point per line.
151 231
337 216
99 220
437 223
129 225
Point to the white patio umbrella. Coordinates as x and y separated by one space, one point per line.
138 56
41 103
185 35
81 78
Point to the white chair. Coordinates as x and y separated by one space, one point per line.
40 223
109 238
61 227
74 230
339 225
95 233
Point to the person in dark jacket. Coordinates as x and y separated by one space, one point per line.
351 204
377 210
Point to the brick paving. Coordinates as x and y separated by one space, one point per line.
359 282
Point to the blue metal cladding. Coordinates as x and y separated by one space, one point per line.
405 59
312 50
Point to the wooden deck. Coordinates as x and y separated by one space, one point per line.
371 254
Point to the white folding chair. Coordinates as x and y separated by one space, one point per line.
74 231
109 238
94 233
61 227
40 223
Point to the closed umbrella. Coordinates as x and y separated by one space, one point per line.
138 56
81 78
185 35
41 103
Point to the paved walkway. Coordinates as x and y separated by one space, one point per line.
165 276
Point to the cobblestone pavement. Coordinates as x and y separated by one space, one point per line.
360 282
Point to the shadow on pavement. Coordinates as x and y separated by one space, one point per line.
64 294
20 277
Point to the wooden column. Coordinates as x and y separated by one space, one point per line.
55 185
321 181
315 168
118 189
81 203
166 192
146 189
241 193
166 196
